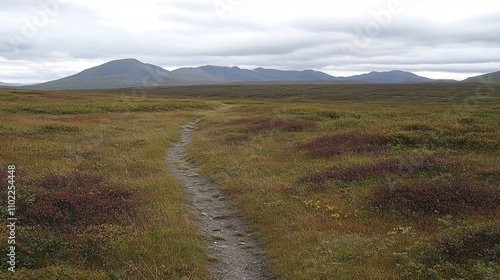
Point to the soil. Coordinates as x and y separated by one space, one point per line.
234 253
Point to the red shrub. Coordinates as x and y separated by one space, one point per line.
332 145
437 197
283 124
77 200
404 166
237 138
55 181
349 174
240 121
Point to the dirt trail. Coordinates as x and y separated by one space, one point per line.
232 248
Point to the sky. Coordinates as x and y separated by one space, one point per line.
42 40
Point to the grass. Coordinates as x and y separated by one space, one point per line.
461 96
367 190
276 124
95 198
337 181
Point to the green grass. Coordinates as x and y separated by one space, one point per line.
122 138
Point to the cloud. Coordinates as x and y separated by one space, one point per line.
47 39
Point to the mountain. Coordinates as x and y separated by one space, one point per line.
489 78
218 74
114 74
389 77
215 75
306 75
133 73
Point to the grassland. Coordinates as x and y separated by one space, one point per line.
337 181
95 199
394 186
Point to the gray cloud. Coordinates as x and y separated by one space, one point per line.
43 43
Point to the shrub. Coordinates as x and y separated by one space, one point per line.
38 247
408 165
330 115
491 176
467 252
69 202
417 127
98 244
332 145
477 242
282 124
240 121
437 197
56 181
59 129
405 139
237 138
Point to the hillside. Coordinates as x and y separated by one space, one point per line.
115 74
486 78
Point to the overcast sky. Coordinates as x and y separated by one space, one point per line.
42 40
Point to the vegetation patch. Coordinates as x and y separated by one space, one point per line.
69 202
417 127
332 145
474 242
332 115
467 252
237 138
410 165
437 197
59 129
280 124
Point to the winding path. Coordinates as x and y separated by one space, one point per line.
232 249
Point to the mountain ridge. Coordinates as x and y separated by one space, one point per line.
132 73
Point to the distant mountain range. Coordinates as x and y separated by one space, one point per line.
133 73
127 73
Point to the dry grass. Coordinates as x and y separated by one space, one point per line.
310 194
95 197
304 176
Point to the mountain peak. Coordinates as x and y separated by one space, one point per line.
120 73
125 60
394 76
